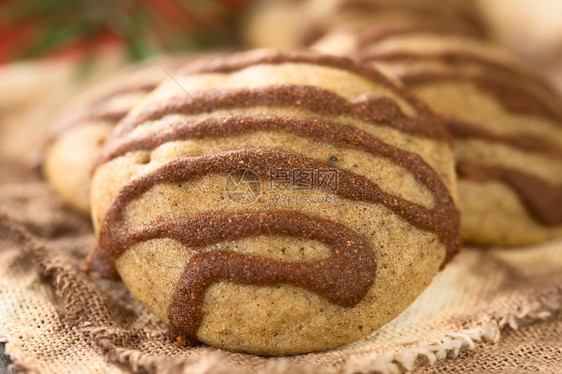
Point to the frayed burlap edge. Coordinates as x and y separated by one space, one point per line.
447 346
450 345
64 276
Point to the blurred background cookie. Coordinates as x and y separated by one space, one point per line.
292 202
78 134
296 24
506 121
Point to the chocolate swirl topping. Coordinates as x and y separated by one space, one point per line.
96 110
376 110
325 131
525 142
542 199
379 111
239 62
344 278
115 237
139 80
467 19
512 96
369 35
373 34
458 59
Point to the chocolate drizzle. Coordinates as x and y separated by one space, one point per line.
140 80
344 278
368 108
316 100
240 61
512 96
142 87
541 198
460 58
325 131
95 110
466 20
370 35
525 142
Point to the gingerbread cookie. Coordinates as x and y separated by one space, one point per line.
295 24
78 134
507 126
275 203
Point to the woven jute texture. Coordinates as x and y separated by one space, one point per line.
489 310
57 319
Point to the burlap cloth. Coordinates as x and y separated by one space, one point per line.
489 310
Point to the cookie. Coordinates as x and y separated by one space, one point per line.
290 24
506 122
77 135
275 202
